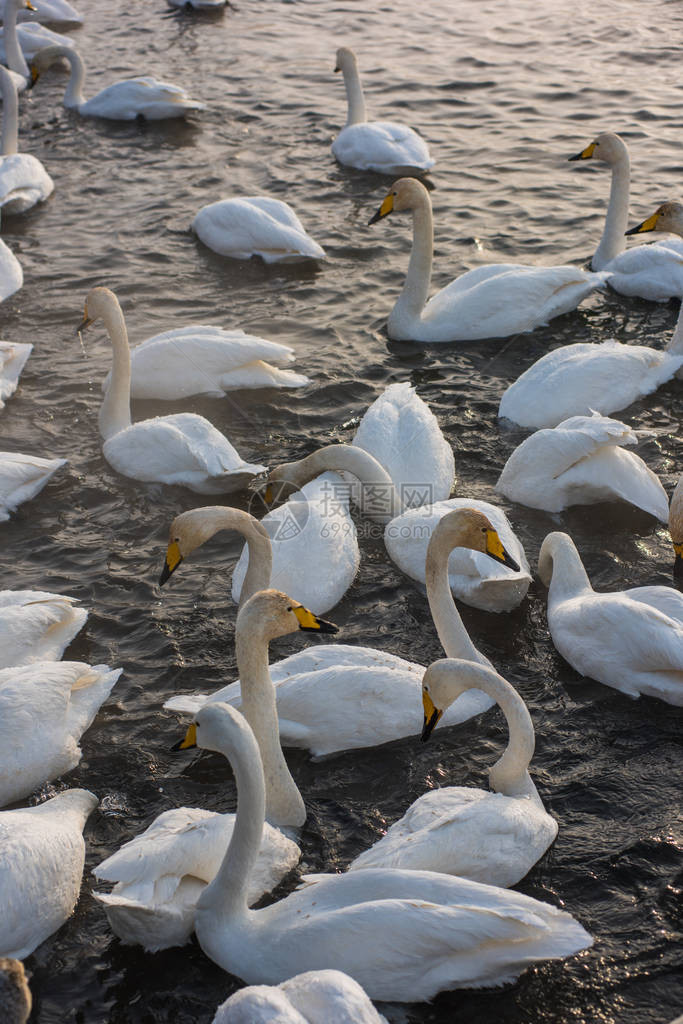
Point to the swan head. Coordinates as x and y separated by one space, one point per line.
45 58
191 529
676 528
270 614
346 59
405 194
470 528
443 682
15 995
99 304
220 727
667 217
608 147
547 554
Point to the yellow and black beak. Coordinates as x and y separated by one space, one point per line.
647 225
29 6
310 623
678 563
85 322
384 210
336 68
189 740
432 716
585 154
173 560
495 549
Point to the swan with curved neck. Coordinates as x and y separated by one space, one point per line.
342 921
651 272
159 874
180 449
127 100
23 179
491 301
383 146
631 640
488 837
14 56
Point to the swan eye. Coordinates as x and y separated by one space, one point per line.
290 609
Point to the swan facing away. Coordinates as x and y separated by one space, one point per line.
649 271
36 625
488 837
42 853
181 449
22 477
15 995
578 462
127 100
383 146
631 640
402 935
315 997
13 356
160 874
255 226
491 301
23 179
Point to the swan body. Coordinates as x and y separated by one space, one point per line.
22 477
579 462
32 39
13 356
382 146
676 526
36 625
23 179
180 449
160 874
255 226
45 708
11 275
42 853
491 301
15 995
402 935
142 97
649 271
631 640
315 997
53 12
487 837
210 361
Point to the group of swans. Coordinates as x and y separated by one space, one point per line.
23 179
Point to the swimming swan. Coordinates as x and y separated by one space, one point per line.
342 697
53 12
36 625
255 226
402 935
491 301
23 179
11 52
13 356
22 477
42 853
181 449
382 146
315 997
649 271
489 837
160 874
11 274
631 640
578 462
122 101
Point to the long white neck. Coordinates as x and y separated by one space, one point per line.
284 804
115 408
561 569
354 94
14 56
10 114
210 520
450 628
73 97
613 240
413 297
675 346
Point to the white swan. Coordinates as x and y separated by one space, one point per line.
159 874
122 101
15 995
54 12
342 697
402 935
182 449
631 640
315 997
383 146
21 42
578 462
42 853
11 274
22 477
255 226
489 837
45 708
23 179
11 53
649 271
492 301
36 625
676 527
205 360
13 356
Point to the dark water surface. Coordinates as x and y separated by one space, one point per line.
504 93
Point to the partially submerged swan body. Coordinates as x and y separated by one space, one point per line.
255 226
382 146
649 271
23 179
13 356
36 625
22 477
42 853
579 462
444 932
491 301
631 639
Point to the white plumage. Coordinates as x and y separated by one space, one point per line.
13 356
23 179
315 997
255 226
36 625
22 477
